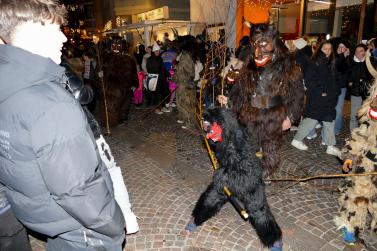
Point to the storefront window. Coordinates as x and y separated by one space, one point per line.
338 18
319 17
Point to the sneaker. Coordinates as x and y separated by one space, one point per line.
172 105
183 127
167 105
332 150
348 237
299 145
180 121
165 109
278 246
317 126
191 226
158 111
313 136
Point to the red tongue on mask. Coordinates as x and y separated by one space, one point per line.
372 114
215 134
262 62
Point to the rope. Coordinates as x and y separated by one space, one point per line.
326 176
158 105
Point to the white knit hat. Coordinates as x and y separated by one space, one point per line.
156 47
300 43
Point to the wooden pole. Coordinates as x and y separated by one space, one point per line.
302 18
99 62
362 18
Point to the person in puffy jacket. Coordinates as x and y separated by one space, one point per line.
322 97
359 76
84 94
54 178
13 235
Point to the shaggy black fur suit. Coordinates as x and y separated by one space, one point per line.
241 171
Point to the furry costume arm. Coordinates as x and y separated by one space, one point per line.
294 96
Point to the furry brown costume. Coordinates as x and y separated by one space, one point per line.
359 194
268 91
120 75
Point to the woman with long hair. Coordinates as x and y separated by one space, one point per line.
322 96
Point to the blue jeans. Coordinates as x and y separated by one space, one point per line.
308 124
356 103
339 111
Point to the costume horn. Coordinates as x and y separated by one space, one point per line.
270 19
247 23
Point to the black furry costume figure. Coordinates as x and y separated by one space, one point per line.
268 91
241 172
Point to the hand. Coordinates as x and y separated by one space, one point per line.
286 124
347 165
222 99
346 52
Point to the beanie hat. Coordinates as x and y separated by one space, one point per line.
156 47
300 43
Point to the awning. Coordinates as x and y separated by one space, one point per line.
156 24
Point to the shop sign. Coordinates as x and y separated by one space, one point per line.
156 14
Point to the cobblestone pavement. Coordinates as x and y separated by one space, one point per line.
166 168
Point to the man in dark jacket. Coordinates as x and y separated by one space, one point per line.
55 180
359 76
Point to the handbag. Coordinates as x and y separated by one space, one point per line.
364 88
151 82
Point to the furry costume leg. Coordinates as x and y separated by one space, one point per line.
209 203
353 211
260 216
185 104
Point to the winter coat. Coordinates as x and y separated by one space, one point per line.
342 67
54 177
319 79
168 57
155 65
359 73
4 204
303 57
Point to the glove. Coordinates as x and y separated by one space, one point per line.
347 165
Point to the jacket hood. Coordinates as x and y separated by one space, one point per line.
20 69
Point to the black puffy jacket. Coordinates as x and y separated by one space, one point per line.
319 79
359 73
